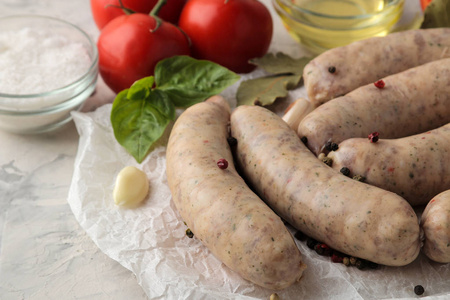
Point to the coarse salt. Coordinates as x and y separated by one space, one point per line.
35 61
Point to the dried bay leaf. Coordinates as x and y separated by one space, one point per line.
286 73
265 90
281 63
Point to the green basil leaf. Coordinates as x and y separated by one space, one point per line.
265 90
141 88
161 102
188 81
437 14
281 63
139 123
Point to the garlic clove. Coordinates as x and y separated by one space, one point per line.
131 187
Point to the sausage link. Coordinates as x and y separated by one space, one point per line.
435 222
350 216
414 101
366 61
416 167
217 205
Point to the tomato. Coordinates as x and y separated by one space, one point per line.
227 32
104 11
129 48
424 3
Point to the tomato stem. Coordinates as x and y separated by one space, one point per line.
157 7
126 10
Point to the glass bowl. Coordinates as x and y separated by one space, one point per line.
320 25
46 88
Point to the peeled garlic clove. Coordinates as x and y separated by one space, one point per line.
131 187
295 113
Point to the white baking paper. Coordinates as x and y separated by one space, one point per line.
151 242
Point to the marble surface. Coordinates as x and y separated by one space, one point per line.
44 253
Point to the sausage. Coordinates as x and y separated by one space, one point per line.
416 167
366 61
350 216
413 101
218 206
435 223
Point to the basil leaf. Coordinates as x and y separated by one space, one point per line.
437 14
265 90
138 123
281 63
188 81
141 88
161 102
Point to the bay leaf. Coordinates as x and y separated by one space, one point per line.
265 90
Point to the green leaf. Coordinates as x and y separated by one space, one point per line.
141 88
281 63
265 90
139 123
188 81
437 14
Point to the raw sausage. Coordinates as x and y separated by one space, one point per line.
435 222
350 216
416 167
217 205
366 61
411 102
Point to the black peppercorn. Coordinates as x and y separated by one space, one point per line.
311 243
361 264
319 250
332 69
189 233
334 146
345 171
419 290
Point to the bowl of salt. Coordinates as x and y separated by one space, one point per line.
48 68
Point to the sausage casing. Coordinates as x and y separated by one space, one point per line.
413 101
217 205
366 61
348 215
416 167
435 222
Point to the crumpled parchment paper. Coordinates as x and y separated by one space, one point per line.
151 242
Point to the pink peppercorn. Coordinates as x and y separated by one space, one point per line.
337 258
379 84
222 163
373 137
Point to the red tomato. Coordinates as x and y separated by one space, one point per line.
228 32
129 50
424 3
104 11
